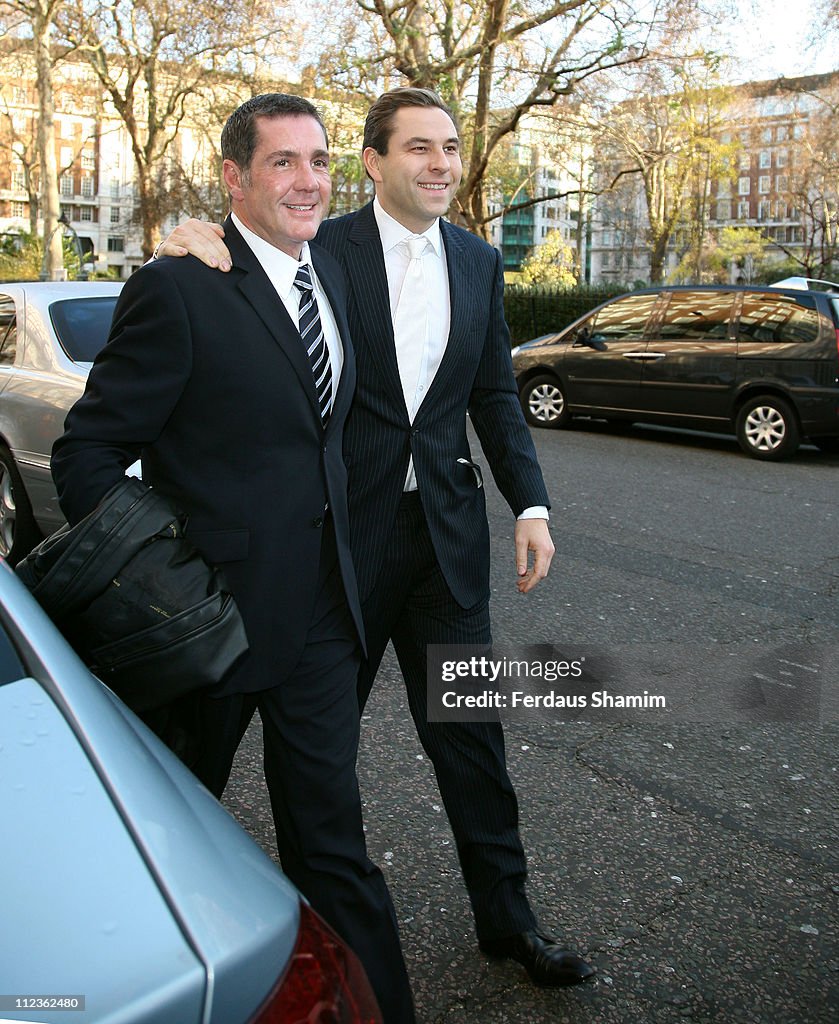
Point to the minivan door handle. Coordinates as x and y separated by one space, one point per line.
644 355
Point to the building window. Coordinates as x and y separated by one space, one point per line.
115 188
66 185
763 183
744 186
66 157
763 210
781 183
798 131
782 133
743 210
19 210
86 213
781 158
724 209
67 129
766 135
116 244
744 161
765 158
19 180
88 161
87 188
115 214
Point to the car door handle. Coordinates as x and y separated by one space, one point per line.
646 356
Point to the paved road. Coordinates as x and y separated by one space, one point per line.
695 863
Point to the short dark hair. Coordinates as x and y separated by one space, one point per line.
239 135
378 127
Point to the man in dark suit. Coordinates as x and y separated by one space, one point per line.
234 391
427 320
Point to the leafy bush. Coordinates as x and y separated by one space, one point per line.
535 310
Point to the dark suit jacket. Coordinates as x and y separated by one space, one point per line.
206 378
476 374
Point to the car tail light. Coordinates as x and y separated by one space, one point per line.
324 982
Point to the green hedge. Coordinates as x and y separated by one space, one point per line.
535 310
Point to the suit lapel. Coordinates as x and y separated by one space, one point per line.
461 295
344 387
365 269
256 287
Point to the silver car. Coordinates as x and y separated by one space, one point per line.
49 336
128 894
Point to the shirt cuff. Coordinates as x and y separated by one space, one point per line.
535 512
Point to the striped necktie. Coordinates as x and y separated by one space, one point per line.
311 331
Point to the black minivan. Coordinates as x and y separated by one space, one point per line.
760 361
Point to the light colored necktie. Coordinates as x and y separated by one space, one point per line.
311 331
410 323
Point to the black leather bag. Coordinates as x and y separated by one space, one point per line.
135 599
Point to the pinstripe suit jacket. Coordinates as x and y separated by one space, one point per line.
476 374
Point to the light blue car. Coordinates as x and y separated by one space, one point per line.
128 895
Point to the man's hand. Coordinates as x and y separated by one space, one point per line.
532 535
201 238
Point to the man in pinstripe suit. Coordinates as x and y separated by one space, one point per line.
419 531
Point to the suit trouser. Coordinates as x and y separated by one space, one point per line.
412 605
311 729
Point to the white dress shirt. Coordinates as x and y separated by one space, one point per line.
281 270
392 234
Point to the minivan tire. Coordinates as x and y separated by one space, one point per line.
767 428
19 532
544 403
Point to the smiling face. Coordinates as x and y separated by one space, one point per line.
417 177
284 194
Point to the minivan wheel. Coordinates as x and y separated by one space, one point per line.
543 402
19 532
767 428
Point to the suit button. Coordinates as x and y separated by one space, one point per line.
317 522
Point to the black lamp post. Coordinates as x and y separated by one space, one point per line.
63 222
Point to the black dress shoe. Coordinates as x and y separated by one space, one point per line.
542 957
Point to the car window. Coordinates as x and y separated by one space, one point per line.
623 319
8 330
82 325
697 316
778 319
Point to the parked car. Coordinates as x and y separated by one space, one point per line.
761 362
129 895
49 336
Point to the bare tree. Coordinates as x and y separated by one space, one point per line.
38 17
157 60
495 61
18 128
813 181
668 135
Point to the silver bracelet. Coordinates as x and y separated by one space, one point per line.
156 251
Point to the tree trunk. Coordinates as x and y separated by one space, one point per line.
50 203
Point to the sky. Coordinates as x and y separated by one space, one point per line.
779 37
